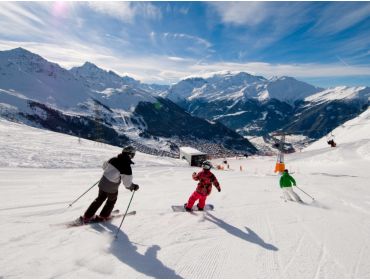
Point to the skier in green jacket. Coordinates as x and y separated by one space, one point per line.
286 183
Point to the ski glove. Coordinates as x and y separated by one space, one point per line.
133 187
219 189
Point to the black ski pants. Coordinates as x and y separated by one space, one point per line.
108 207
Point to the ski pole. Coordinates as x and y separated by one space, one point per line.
128 206
304 192
82 194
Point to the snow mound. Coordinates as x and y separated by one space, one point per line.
25 146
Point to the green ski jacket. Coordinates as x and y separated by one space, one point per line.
286 180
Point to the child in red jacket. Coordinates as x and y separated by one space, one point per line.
206 178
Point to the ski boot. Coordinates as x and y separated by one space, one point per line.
99 219
186 208
199 208
82 220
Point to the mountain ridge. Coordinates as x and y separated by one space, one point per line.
97 104
250 105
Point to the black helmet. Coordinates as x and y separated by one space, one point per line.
130 150
286 170
207 165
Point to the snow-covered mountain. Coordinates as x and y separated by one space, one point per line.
240 87
121 93
35 90
99 79
289 90
251 105
340 93
28 76
98 104
254 105
322 112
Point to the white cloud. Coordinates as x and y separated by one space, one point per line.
119 10
16 20
66 55
191 39
340 16
148 10
126 11
294 70
17 12
242 13
184 10
39 22
167 69
264 22
175 58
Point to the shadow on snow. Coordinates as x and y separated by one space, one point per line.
249 236
126 252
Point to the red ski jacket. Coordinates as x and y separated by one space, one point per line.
206 178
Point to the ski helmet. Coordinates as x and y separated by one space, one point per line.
286 170
130 150
207 165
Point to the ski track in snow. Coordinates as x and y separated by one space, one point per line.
33 206
294 254
275 264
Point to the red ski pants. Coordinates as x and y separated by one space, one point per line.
194 197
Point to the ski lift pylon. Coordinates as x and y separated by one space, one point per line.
280 165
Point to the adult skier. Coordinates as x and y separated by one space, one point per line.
286 183
206 179
116 170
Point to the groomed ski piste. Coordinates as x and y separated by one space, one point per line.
252 233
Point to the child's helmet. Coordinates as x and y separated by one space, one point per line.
130 150
207 165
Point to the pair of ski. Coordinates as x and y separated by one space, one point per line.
117 214
290 200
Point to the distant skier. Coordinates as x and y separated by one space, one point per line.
116 170
332 143
286 183
206 179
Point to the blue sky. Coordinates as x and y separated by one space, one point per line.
324 43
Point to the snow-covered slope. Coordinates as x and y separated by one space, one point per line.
354 131
340 93
251 234
25 146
